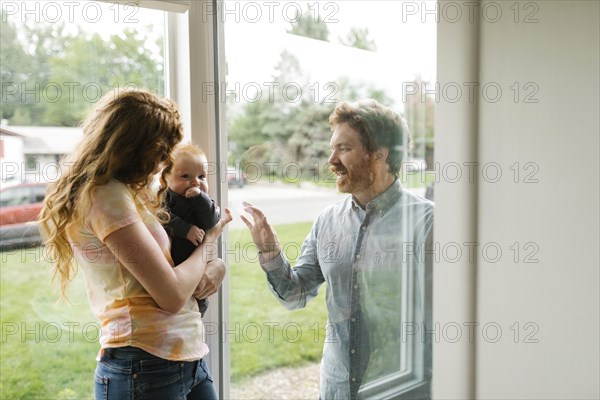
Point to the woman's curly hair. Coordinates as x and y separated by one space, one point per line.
126 138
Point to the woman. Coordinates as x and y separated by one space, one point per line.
103 214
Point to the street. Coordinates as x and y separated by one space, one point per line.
283 203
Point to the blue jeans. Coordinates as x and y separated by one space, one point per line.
129 373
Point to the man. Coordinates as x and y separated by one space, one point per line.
370 249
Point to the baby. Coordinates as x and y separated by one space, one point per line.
192 211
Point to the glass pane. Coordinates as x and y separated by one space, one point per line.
57 58
288 65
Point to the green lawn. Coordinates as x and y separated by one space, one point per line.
48 349
46 352
417 179
269 335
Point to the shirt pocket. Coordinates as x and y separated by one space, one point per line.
336 251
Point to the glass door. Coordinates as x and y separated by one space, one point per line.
288 64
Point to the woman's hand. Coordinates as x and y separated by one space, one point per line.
212 279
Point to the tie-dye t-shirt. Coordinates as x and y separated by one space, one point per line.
127 313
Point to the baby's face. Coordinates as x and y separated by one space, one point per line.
188 172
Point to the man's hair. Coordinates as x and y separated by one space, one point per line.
377 125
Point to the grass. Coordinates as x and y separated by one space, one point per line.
270 336
417 179
48 349
45 351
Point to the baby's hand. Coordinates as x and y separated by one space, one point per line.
195 235
192 192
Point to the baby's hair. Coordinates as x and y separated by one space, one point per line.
181 150
187 149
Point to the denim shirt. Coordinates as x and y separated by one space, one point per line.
373 261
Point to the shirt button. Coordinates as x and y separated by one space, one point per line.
353 319
353 379
355 286
358 256
352 351
135 376
364 228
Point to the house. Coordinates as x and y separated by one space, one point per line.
11 154
32 153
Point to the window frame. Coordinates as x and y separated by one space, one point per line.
179 6
194 62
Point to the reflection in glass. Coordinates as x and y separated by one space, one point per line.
288 65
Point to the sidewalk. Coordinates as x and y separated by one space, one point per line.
282 383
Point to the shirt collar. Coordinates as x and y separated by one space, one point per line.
382 203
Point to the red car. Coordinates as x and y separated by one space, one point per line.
19 209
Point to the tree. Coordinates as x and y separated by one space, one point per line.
95 66
309 25
308 145
12 68
287 69
420 116
25 69
258 124
280 131
51 77
359 38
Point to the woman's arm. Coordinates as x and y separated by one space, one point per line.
170 287
211 280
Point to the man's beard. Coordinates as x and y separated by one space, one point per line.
356 178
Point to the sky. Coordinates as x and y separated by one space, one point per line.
406 47
255 36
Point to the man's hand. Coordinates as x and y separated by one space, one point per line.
263 235
211 280
195 235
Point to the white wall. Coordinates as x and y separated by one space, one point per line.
559 214
554 220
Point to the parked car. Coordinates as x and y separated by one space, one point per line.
19 209
235 177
